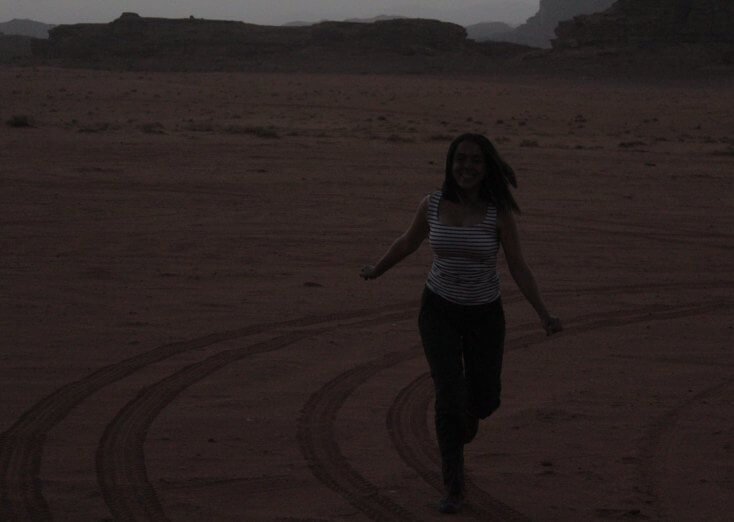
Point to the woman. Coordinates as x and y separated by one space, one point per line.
461 319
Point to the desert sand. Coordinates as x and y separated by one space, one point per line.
185 335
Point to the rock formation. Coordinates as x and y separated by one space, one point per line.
195 44
650 23
23 27
538 30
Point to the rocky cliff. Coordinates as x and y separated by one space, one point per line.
194 44
538 30
651 23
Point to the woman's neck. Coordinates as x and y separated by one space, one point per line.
469 198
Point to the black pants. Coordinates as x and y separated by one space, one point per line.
463 346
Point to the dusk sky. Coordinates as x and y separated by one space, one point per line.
273 12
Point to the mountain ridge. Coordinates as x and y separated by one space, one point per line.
135 42
25 27
401 45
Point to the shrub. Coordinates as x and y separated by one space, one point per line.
394 138
95 127
440 137
260 132
631 144
152 128
200 126
19 120
724 152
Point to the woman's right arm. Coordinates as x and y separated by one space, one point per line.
403 246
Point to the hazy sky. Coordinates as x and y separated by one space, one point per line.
268 11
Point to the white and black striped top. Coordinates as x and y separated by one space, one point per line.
464 269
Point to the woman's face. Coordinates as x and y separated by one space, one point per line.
469 167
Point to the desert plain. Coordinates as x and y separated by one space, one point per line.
185 335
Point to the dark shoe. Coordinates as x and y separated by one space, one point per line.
451 504
471 428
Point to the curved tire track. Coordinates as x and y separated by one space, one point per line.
120 460
21 446
659 431
319 446
408 427
619 228
321 451
121 470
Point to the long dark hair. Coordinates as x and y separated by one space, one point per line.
494 188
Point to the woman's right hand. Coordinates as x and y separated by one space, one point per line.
552 324
368 272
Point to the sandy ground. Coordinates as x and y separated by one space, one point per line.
185 334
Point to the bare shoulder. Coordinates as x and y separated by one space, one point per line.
423 206
424 202
419 227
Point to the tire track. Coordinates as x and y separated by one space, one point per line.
120 459
261 484
121 469
689 236
407 424
321 451
407 421
21 446
657 433
664 237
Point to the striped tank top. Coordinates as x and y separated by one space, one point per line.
464 269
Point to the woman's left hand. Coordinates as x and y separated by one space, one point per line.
552 324
368 272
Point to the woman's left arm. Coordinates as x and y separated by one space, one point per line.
520 271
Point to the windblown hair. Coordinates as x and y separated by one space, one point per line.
494 188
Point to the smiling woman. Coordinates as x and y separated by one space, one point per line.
461 320
468 166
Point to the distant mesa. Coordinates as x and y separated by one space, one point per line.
137 42
652 33
651 23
